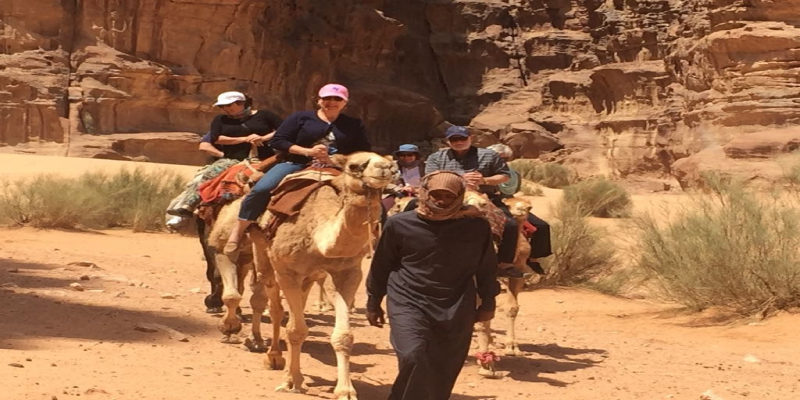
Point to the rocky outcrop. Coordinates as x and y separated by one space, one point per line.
615 87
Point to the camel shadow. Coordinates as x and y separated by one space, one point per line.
559 359
36 306
322 351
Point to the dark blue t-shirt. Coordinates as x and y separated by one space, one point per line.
305 128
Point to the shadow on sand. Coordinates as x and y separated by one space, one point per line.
39 307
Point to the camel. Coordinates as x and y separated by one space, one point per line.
232 270
332 233
519 210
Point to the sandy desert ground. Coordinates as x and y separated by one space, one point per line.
60 343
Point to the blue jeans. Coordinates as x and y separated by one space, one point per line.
256 201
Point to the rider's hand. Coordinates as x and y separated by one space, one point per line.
483 315
260 140
376 318
252 138
473 178
319 152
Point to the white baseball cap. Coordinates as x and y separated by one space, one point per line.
226 98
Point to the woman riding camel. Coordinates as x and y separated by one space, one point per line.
303 137
230 138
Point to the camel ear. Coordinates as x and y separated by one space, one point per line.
358 168
339 160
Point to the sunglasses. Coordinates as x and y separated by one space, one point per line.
406 154
228 105
332 98
453 139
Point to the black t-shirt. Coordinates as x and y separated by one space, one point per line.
262 122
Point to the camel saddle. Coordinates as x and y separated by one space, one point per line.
293 191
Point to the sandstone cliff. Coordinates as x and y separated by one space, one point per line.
618 87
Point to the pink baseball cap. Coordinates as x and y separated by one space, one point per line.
333 89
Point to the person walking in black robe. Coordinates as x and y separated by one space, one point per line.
430 264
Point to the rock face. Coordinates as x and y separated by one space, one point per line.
617 87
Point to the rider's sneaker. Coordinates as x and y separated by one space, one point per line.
174 223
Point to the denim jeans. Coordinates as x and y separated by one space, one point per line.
256 201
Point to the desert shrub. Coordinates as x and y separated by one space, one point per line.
548 174
733 249
580 250
529 189
792 174
94 200
600 198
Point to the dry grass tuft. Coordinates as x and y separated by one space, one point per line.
93 200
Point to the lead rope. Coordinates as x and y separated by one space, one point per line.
371 227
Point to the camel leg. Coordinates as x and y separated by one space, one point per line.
323 303
230 323
275 360
296 331
512 301
346 283
484 332
258 302
271 292
213 301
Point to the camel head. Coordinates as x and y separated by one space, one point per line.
475 198
364 170
518 208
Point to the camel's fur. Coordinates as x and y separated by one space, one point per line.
331 234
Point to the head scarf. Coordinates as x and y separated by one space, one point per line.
441 180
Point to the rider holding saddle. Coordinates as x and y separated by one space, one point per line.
484 170
298 140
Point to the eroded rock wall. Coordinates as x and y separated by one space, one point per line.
616 87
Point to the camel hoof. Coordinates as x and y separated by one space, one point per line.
512 351
487 373
346 395
231 339
214 310
213 301
255 346
287 388
275 363
230 326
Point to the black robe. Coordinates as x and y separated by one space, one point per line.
430 273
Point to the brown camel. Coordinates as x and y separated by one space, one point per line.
331 233
519 209
232 271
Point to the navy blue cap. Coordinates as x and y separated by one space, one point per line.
456 130
407 148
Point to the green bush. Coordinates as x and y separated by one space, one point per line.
600 198
580 250
548 174
93 200
733 250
